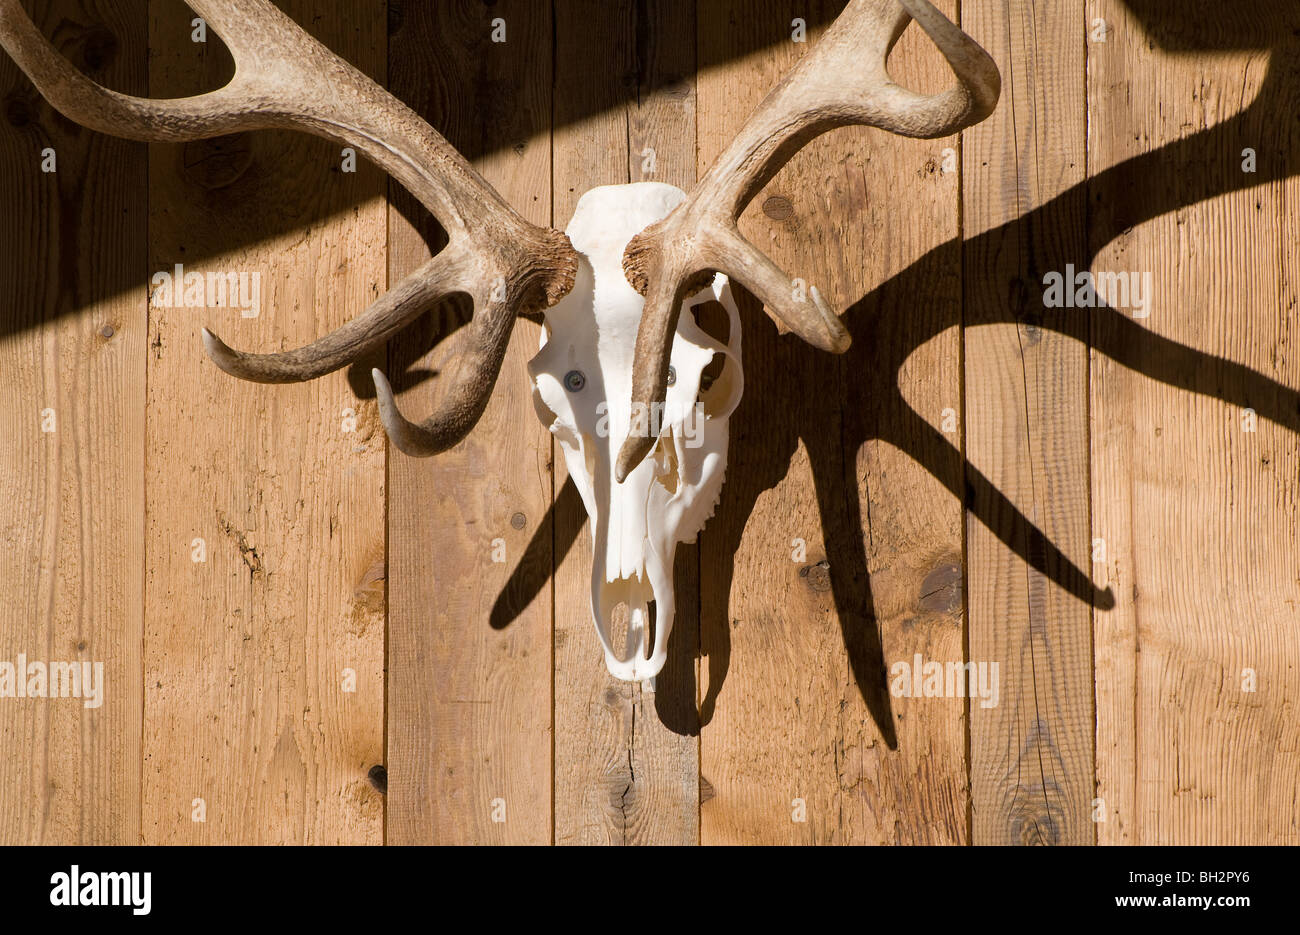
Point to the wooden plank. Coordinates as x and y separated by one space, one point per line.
803 589
1196 510
768 635
72 341
1027 432
469 729
626 759
246 652
896 560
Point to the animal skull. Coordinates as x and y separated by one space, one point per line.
582 389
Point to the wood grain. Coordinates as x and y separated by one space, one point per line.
626 758
469 738
1027 433
72 341
245 701
1197 511
905 781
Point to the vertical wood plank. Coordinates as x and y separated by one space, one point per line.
1027 431
72 356
246 706
904 781
803 588
626 759
1196 496
772 653
469 717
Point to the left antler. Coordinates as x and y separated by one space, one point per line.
843 80
285 78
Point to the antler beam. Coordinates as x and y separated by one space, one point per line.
843 80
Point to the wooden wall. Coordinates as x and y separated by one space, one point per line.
1102 504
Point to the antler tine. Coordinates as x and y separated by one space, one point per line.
445 274
461 406
286 79
843 80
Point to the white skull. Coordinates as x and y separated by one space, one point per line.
582 389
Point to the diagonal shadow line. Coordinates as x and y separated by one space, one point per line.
1177 365
982 499
533 571
840 512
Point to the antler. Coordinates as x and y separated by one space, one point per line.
843 80
285 78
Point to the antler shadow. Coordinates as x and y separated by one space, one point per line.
889 323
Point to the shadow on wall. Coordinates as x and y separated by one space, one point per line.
889 323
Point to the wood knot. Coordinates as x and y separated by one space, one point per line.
369 593
218 162
378 777
817 576
98 49
18 112
941 590
1035 826
678 89
706 790
778 208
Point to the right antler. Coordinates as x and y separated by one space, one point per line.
285 78
843 80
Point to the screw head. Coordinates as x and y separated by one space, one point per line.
574 381
672 375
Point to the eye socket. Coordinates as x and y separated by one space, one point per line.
574 381
672 375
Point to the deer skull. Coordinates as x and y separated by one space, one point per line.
582 389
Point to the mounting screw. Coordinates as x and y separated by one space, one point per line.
672 375
574 381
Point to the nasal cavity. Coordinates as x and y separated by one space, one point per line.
666 472
620 620
650 629
620 631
